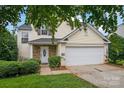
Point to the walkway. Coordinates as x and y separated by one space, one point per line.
45 70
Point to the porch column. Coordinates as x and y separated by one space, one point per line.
61 52
31 51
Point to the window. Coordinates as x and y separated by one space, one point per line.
43 31
44 52
24 37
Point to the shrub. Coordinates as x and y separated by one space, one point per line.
116 48
8 46
32 60
13 68
8 69
28 67
55 61
120 62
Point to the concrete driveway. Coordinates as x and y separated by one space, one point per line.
101 75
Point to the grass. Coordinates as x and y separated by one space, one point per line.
45 81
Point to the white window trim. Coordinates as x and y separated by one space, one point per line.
24 36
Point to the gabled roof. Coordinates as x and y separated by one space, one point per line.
25 27
91 27
46 41
99 33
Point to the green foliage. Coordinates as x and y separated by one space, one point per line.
13 68
9 15
55 61
8 69
53 15
116 49
8 46
120 62
36 60
29 66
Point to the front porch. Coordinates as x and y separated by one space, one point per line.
39 52
41 49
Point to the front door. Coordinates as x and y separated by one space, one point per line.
44 54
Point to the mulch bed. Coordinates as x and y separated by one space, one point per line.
60 68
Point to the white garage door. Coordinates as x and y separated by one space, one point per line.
84 55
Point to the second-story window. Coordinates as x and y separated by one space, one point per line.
24 37
43 31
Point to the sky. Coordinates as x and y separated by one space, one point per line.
23 17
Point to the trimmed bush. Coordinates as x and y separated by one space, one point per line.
55 61
120 62
32 60
28 67
10 68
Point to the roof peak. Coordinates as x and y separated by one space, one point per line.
25 27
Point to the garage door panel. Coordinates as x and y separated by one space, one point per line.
84 56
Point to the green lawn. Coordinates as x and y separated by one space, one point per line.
48 81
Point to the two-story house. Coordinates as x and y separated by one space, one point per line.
75 46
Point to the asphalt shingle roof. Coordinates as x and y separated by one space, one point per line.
43 41
25 27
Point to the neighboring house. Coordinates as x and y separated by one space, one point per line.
76 47
120 30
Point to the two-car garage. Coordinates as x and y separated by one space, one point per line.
85 48
84 55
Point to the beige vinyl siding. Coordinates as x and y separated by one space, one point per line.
86 37
33 35
23 48
63 30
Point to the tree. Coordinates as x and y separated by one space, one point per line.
8 46
9 14
52 16
116 49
